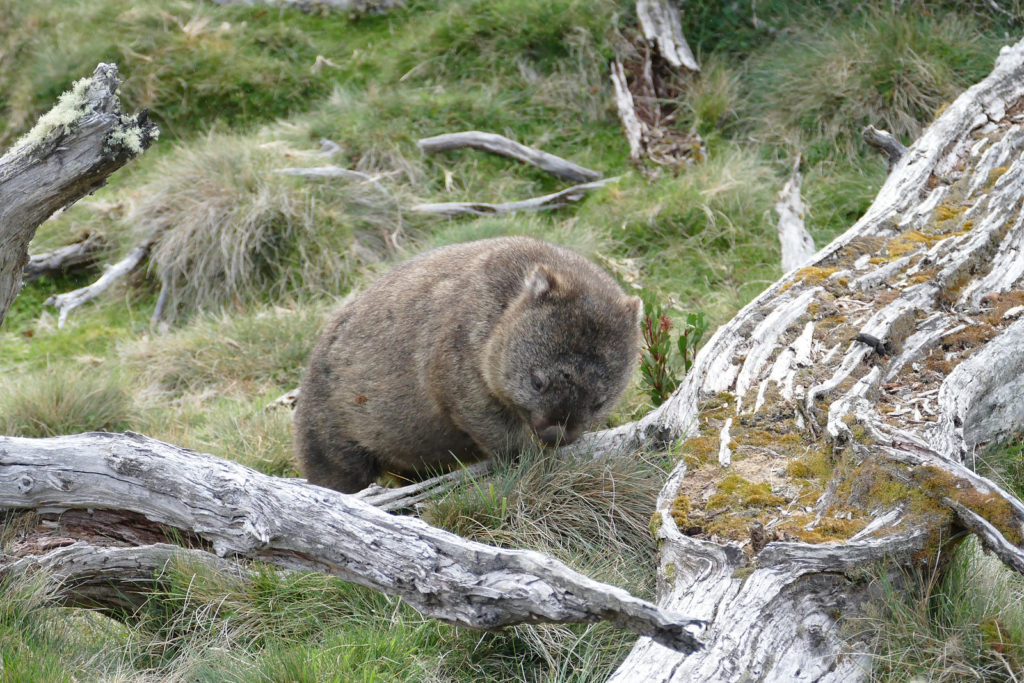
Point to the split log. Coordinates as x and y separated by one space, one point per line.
851 394
796 243
659 21
501 145
556 200
80 254
238 512
67 155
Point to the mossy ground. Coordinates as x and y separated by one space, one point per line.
256 261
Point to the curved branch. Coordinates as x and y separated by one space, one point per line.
501 145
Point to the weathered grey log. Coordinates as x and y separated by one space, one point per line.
68 154
556 200
659 21
501 145
886 143
79 254
240 512
69 301
895 355
796 243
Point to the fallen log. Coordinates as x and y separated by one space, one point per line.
239 513
851 396
68 154
501 145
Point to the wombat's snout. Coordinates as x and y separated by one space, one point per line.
553 434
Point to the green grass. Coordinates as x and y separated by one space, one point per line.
253 262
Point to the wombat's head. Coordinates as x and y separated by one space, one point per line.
564 350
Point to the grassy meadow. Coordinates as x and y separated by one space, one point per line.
251 263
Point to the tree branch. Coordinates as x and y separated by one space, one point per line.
501 145
67 155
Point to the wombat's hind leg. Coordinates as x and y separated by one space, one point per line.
344 466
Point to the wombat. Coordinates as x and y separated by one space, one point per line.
462 353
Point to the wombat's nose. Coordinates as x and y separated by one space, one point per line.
552 436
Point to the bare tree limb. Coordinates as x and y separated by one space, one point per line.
240 512
79 254
501 145
635 128
555 200
67 155
69 301
888 361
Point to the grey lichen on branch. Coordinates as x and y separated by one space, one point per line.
68 154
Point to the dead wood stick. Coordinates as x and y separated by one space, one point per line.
68 154
82 253
69 301
549 201
501 145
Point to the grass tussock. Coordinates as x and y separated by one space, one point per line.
66 400
888 68
967 624
580 509
229 229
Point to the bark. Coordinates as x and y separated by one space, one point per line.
555 200
67 155
237 512
501 145
855 392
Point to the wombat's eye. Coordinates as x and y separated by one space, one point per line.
539 381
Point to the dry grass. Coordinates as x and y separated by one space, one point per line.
66 400
229 230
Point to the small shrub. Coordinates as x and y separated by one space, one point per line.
663 364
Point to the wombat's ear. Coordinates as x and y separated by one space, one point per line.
636 308
540 281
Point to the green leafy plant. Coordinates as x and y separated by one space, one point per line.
661 368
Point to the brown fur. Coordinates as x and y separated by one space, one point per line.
461 353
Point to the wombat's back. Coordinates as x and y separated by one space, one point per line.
399 378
